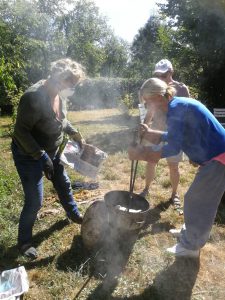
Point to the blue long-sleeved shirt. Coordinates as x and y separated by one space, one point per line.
192 128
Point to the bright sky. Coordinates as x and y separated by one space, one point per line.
126 17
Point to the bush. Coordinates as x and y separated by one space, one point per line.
126 104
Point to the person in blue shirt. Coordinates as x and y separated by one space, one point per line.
156 120
192 128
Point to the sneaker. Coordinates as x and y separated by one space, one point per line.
175 232
176 201
179 251
76 218
144 193
28 251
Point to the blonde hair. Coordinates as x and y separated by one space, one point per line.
65 69
155 86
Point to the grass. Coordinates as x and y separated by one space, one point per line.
142 269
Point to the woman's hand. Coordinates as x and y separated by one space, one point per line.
77 137
153 136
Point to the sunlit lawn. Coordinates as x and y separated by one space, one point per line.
148 272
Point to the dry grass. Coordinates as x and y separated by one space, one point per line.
143 269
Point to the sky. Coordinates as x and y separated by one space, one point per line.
126 17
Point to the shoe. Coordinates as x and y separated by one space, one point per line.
176 201
175 232
144 193
28 251
179 251
75 218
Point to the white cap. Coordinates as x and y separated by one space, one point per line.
163 66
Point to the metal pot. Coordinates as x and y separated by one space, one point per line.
95 224
127 219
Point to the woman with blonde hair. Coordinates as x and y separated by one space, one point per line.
40 126
192 128
157 120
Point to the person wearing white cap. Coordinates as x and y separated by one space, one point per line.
157 120
192 128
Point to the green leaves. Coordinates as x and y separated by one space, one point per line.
199 31
34 33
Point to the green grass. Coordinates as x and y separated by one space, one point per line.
142 268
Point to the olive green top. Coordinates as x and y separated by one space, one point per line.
37 129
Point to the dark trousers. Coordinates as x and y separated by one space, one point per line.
31 175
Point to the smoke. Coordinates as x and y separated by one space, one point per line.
115 241
104 92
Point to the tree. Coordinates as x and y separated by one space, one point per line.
12 75
116 53
90 40
201 26
27 46
35 32
145 49
85 31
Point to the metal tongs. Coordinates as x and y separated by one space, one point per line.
133 172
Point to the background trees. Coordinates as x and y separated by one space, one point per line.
34 33
190 33
200 37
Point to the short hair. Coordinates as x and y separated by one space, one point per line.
156 86
67 69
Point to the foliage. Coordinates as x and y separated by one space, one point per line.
15 101
11 64
116 53
145 50
201 27
189 33
127 100
157 40
91 41
34 33
126 104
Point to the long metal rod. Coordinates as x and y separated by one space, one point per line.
134 176
131 177
83 286
91 274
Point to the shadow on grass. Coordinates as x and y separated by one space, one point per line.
10 260
174 283
113 142
44 234
74 259
106 264
116 255
152 218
